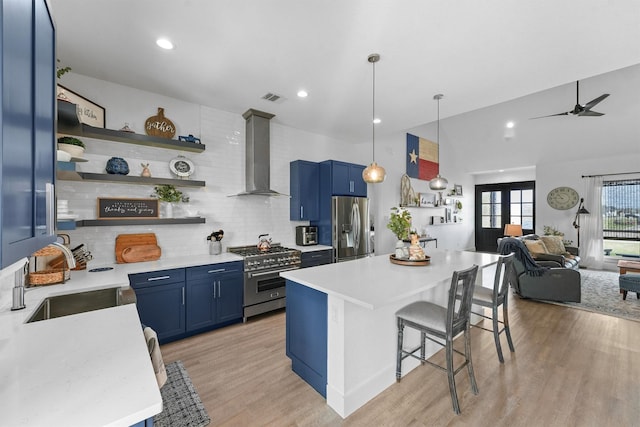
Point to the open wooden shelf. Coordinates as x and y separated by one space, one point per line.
67 175
142 221
69 124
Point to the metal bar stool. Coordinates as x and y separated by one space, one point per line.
493 298
441 325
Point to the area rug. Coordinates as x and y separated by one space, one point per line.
601 294
181 405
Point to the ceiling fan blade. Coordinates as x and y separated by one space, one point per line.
590 113
594 102
550 115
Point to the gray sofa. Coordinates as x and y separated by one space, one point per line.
552 280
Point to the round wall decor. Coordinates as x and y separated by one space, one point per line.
182 167
563 198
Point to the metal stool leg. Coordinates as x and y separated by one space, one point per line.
467 355
450 375
399 353
505 320
496 331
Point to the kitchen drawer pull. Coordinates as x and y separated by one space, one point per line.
275 294
151 279
271 272
216 271
183 295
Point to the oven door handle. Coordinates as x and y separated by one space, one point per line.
250 275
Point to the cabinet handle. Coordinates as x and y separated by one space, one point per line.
219 296
301 211
50 208
183 295
151 279
351 186
216 271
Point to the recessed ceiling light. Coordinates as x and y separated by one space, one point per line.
302 93
376 120
164 43
510 125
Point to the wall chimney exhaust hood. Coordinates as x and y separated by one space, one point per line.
257 156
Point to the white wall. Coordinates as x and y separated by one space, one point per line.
474 146
221 165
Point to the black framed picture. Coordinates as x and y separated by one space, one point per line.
89 112
457 189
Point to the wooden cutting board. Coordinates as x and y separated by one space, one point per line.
141 253
124 241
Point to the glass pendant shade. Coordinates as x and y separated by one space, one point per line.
374 174
438 183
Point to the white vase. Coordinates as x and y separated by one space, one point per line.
400 249
166 210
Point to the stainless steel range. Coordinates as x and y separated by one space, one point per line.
264 289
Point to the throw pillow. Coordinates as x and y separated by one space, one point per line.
535 247
554 244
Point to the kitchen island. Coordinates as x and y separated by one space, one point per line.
341 325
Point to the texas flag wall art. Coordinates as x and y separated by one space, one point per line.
422 158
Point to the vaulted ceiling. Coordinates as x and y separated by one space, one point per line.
229 53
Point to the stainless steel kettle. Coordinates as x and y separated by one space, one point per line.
264 242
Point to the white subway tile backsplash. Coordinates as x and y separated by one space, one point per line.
222 166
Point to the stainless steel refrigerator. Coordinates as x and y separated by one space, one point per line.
350 227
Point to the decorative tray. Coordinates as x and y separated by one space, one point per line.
410 262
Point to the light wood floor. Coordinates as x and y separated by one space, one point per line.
570 368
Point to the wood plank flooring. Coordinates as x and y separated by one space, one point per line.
571 368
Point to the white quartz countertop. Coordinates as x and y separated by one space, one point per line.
86 369
374 282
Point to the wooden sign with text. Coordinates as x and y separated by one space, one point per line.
112 208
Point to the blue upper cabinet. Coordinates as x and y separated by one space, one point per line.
342 179
27 124
304 186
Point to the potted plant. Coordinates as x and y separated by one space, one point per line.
400 224
71 145
168 195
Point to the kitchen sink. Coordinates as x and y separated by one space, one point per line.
81 302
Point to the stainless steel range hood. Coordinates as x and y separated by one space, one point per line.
257 157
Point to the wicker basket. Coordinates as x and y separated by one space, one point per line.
51 274
46 277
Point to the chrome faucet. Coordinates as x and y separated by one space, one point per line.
18 287
71 261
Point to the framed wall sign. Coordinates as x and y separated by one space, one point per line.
118 208
457 189
427 199
89 112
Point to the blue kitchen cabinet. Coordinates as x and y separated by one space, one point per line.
306 334
27 73
304 186
342 179
315 258
161 301
214 295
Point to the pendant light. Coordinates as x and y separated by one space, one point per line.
374 173
438 183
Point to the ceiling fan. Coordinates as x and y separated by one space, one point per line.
581 110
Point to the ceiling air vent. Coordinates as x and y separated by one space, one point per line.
273 97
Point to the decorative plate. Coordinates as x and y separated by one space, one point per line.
182 167
563 198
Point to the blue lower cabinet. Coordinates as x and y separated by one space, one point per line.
162 308
144 423
214 295
306 330
183 301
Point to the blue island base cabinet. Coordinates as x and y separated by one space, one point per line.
306 330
